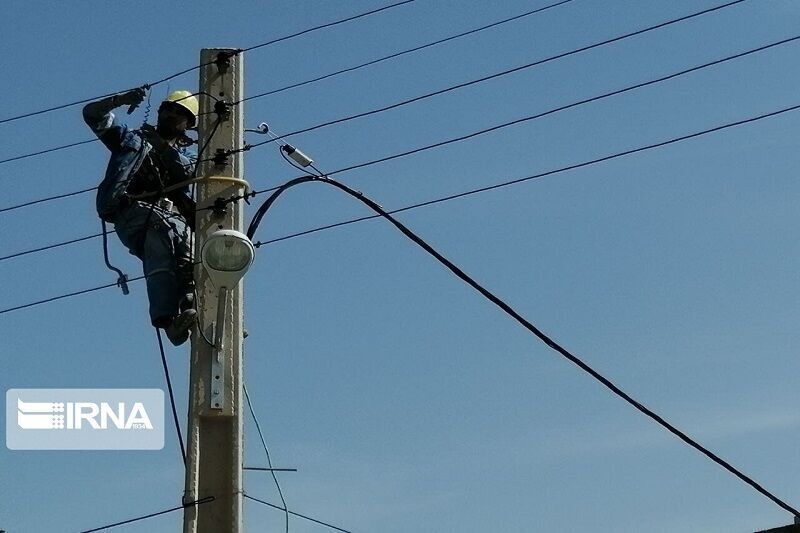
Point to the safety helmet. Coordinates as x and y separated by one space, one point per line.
186 100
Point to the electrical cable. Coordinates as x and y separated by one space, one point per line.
404 52
186 71
171 396
304 517
461 85
493 76
201 501
474 191
523 119
533 329
48 199
52 246
47 150
269 458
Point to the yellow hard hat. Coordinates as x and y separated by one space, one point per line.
186 100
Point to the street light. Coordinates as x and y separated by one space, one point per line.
226 255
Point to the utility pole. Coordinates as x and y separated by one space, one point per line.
214 440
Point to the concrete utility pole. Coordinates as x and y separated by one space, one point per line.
214 455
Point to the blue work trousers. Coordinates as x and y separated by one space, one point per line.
162 240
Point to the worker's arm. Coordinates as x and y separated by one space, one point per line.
100 119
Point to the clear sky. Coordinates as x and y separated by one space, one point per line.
405 400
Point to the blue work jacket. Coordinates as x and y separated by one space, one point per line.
128 151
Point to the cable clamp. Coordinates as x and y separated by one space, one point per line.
220 158
220 207
223 61
223 110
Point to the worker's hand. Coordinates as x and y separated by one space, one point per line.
151 135
132 98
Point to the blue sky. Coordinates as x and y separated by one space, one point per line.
405 400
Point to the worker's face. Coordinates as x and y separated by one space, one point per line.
172 121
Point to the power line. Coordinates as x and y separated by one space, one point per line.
52 246
496 75
186 71
304 517
475 191
453 87
477 133
48 199
506 308
328 25
48 150
201 501
404 52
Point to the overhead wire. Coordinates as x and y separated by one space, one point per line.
471 82
473 134
475 191
495 75
191 69
405 52
200 501
506 308
304 517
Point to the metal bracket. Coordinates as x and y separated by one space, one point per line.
217 377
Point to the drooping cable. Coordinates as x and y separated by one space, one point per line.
497 75
538 333
191 69
201 501
171 396
269 458
304 517
122 278
474 191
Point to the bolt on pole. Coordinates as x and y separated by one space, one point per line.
214 455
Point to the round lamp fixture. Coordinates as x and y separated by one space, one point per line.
227 255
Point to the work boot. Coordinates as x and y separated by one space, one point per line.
178 331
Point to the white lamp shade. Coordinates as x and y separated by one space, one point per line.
227 255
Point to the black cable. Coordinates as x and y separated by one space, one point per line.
186 71
538 333
171 396
320 522
269 458
328 25
493 76
404 52
51 246
201 501
48 199
533 117
122 278
459 195
47 150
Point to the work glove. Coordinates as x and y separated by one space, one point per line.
133 97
